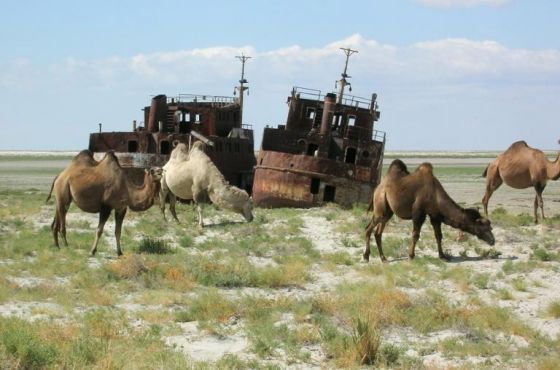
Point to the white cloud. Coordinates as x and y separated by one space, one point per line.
463 3
422 87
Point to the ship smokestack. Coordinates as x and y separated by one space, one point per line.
328 111
157 112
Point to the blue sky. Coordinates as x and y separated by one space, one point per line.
450 74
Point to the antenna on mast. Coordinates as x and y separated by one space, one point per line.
241 88
343 83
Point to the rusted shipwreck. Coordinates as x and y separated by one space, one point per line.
328 150
216 120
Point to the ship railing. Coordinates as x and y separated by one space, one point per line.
215 100
246 126
309 93
356 101
349 100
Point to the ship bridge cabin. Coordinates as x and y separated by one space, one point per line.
215 120
328 150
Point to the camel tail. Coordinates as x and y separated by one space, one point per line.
50 192
370 205
485 171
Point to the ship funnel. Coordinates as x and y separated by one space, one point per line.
157 112
328 111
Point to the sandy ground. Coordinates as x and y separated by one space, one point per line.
202 346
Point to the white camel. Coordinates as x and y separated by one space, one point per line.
191 175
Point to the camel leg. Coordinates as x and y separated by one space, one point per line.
417 223
369 229
538 201
55 226
199 210
378 238
493 182
172 203
62 221
103 216
436 225
119 217
163 192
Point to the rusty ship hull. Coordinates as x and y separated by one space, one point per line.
185 118
328 151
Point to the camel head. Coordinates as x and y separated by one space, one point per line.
248 209
155 173
479 226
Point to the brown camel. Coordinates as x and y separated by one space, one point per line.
100 187
413 196
521 166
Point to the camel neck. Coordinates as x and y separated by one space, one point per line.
141 197
453 214
553 168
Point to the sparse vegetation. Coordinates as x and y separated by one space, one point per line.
267 285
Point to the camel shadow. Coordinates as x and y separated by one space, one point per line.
223 223
460 259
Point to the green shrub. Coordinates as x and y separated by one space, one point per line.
153 246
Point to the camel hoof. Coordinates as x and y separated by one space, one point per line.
366 257
384 260
411 256
446 257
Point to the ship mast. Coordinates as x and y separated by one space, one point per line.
343 83
241 88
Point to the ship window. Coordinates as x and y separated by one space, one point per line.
312 148
335 121
351 120
310 113
315 182
228 147
236 147
164 147
350 156
197 118
365 154
187 116
132 146
328 194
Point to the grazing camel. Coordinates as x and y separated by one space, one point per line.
100 187
521 166
192 175
415 196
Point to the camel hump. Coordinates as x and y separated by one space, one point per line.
85 157
198 145
398 165
426 167
519 144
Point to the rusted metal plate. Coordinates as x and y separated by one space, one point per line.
325 152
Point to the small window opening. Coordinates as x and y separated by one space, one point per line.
261 161
228 147
314 188
312 148
218 147
350 156
335 122
310 113
236 147
351 120
328 194
197 118
164 147
132 146
186 116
